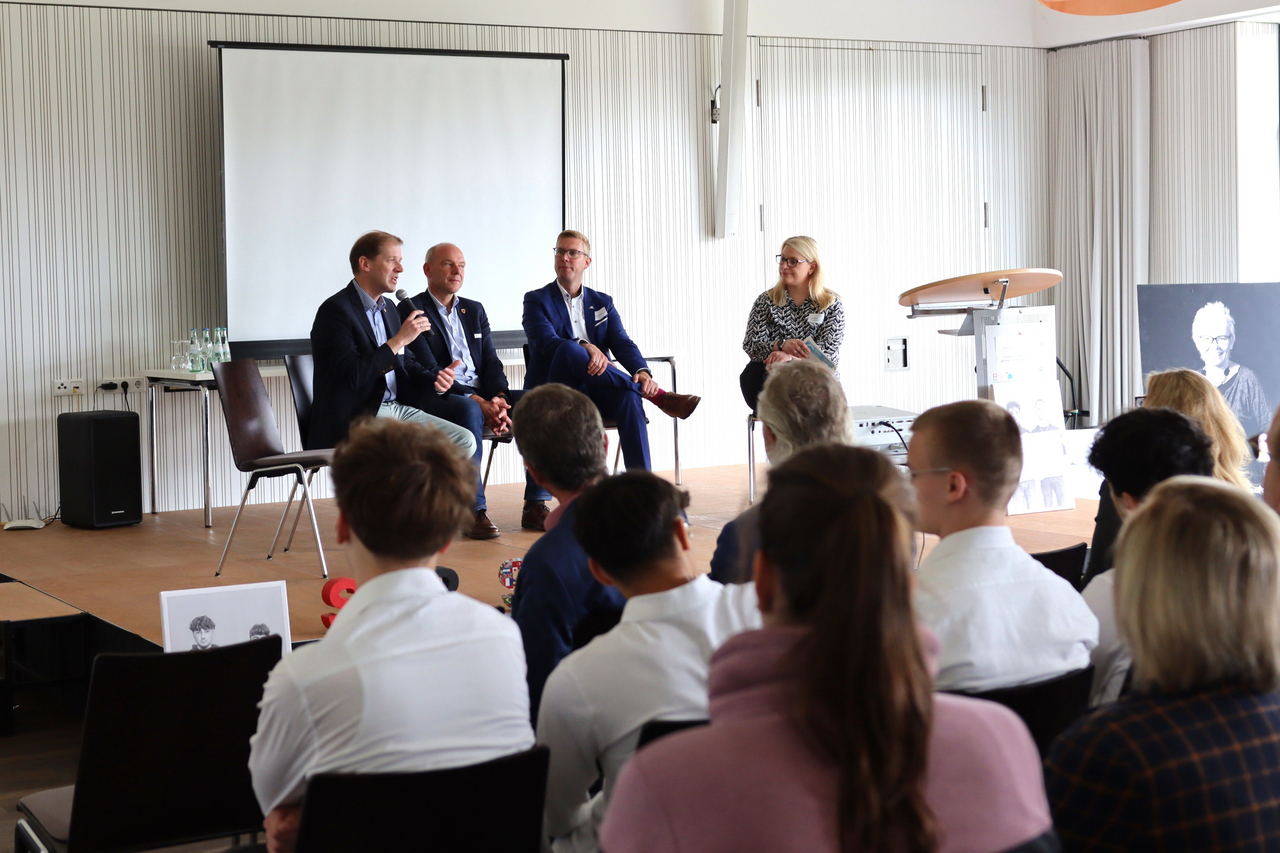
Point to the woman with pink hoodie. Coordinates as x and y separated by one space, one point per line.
825 732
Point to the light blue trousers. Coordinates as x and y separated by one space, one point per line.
460 436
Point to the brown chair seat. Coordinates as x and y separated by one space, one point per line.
305 458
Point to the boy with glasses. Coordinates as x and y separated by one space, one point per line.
1001 618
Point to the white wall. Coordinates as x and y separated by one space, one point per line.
1018 23
110 213
1055 29
993 22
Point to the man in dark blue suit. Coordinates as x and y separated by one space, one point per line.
362 362
558 603
471 387
573 331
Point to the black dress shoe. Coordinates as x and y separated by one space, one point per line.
535 515
482 527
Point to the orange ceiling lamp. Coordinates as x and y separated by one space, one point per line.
1104 7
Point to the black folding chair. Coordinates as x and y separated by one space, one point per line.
655 729
165 755
494 806
1047 707
1066 563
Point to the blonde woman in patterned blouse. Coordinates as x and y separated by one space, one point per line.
797 307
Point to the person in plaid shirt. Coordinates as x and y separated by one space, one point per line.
1191 760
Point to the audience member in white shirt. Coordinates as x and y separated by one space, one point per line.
653 665
1134 452
1001 618
410 677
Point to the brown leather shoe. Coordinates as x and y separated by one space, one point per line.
534 516
678 405
482 527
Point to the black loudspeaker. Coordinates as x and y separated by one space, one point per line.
100 468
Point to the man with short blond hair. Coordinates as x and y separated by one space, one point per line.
1001 617
573 332
410 677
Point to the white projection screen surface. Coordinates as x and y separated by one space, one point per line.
321 146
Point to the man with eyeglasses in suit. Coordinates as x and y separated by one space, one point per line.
573 331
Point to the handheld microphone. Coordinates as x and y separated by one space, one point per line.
403 296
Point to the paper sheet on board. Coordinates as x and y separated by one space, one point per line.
1037 407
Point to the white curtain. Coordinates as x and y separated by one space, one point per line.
1099 155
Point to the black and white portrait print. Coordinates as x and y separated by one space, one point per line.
203 619
1228 332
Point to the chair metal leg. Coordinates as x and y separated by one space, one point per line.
298 516
675 423
493 448
283 516
617 455
751 459
315 528
232 534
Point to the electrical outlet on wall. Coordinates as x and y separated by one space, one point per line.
67 387
136 384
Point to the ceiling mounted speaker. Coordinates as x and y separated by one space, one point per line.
1104 7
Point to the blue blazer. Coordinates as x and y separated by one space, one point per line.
554 594
547 326
433 350
350 367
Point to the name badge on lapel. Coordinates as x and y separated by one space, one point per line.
815 320
476 335
601 314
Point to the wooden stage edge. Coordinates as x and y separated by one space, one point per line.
117 574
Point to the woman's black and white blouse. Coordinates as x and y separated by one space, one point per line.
769 324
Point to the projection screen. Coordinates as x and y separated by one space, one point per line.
323 144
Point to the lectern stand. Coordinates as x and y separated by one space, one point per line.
981 299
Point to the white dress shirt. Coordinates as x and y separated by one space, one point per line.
1001 618
410 677
1111 658
577 313
653 665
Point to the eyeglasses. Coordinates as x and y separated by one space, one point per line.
924 471
791 262
1220 340
571 254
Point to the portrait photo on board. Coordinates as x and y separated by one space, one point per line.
209 617
1225 331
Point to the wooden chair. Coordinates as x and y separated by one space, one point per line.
494 806
1047 707
1066 563
165 755
256 445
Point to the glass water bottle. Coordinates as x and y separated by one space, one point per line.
194 353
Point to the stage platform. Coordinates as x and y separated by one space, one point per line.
117 575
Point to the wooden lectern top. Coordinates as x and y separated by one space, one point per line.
981 287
